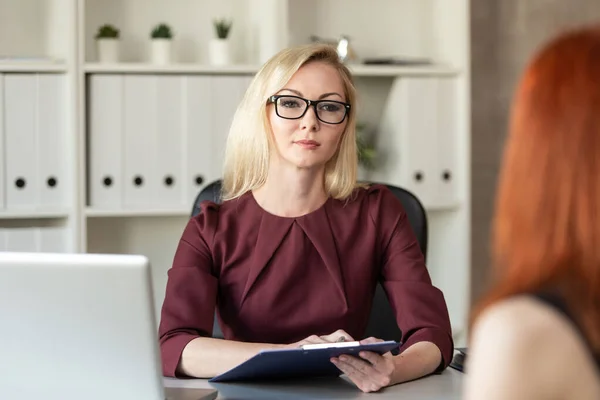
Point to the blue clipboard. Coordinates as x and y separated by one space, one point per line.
303 362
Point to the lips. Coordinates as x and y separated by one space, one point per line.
308 144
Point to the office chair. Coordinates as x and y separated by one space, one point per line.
382 321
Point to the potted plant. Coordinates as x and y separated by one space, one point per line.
220 49
107 43
366 152
161 38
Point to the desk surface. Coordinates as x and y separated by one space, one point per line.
448 385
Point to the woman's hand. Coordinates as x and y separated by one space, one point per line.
337 336
371 371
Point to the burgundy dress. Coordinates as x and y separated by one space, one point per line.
278 280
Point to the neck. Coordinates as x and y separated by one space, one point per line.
291 191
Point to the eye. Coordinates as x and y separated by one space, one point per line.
289 103
330 107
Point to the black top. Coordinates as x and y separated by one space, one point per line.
555 301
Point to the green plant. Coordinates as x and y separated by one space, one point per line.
222 27
366 152
162 31
107 31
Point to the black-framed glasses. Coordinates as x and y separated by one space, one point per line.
294 107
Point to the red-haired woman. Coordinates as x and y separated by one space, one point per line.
536 335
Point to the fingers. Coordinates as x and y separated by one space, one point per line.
313 339
350 369
338 336
382 364
363 374
371 340
377 368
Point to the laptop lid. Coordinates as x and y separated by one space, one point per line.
76 326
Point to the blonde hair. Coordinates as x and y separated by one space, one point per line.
249 143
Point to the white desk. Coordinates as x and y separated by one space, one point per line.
448 385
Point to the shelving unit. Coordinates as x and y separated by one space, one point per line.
8 215
38 205
358 70
178 114
28 66
147 68
146 212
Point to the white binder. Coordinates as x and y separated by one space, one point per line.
407 138
140 140
447 129
200 138
227 93
51 239
51 141
105 137
170 161
3 239
20 143
2 153
21 239
421 134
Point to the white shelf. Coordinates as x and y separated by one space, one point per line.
190 68
32 66
24 214
396 70
154 212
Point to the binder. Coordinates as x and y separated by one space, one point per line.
51 141
447 145
2 152
20 143
227 92
105 141
419 127
406 139
21 239
169 160
303 362
140 141
199 137
51 239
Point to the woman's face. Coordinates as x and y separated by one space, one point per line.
303 138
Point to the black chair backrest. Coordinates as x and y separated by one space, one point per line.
382 321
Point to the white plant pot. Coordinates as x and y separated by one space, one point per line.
108 50
161 51
220 52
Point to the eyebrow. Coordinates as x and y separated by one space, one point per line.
320 97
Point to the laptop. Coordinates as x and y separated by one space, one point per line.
80 326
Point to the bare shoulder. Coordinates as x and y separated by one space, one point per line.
526 343
517 321
524 322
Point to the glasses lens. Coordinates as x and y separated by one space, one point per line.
290 107
331 112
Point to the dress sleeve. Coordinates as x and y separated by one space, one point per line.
420 308
190 296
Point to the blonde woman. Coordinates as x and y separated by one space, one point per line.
294 252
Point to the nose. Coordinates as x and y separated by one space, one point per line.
310 121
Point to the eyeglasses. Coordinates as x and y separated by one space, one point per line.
294 107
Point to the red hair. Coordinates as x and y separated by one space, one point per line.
546 228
